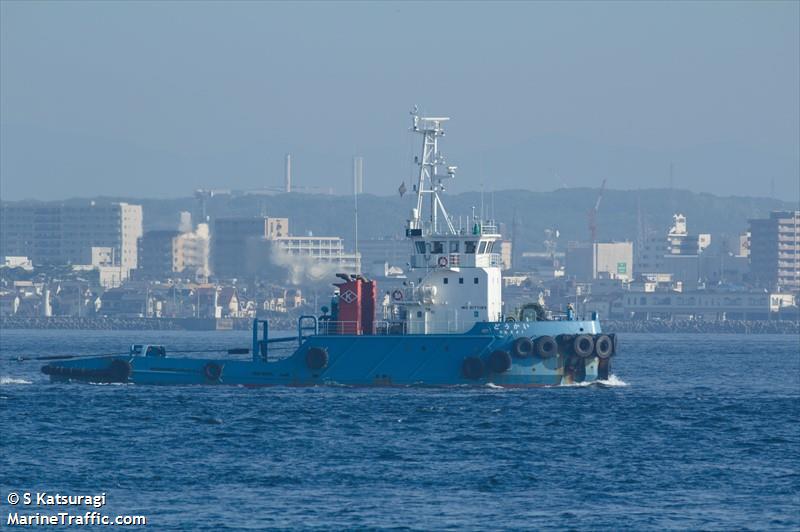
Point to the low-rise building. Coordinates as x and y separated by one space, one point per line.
702 304
9 303
127 303
17 262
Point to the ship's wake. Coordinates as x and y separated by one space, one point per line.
4 381
612 382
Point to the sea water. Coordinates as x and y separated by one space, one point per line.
690 432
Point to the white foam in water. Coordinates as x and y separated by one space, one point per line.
612 381
10 380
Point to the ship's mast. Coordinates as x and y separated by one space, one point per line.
430 181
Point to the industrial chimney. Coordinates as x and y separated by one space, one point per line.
288 172
358 175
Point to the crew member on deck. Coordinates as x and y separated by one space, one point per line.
387 306
570 312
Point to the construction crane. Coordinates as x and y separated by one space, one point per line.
593 213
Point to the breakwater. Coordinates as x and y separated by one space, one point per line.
289 323
138 324
702 327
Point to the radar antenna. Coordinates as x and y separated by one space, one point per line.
430 180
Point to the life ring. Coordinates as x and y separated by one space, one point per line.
545 346
212 371
522 347
603 346
397 295
316 358
442 261
499 361
583 345
472 368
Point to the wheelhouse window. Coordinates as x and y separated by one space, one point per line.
437 247
454 246
483 247
490 246
420 247
445 280
470 246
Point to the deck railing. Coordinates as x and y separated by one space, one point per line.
387 327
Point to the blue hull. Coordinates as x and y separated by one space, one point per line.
366 360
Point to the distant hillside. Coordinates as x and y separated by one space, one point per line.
564 209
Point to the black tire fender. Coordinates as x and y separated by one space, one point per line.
316 358
472 368
546 346
119 370
603 346
522 347
499 361
583 345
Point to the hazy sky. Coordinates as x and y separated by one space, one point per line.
157 99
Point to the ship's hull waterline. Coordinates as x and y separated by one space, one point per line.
485 354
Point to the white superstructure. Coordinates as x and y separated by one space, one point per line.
455 272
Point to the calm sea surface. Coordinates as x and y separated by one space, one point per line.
696 432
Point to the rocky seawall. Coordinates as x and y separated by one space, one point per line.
287 323
139 324
703 327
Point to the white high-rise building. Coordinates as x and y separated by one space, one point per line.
65 233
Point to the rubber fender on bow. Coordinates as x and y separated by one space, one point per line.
119 370
580 369
545 346
499 361
316 358
212 372
522 347
583 345
564 342
603 369
603 346
472 368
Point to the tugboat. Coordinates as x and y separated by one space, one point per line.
445 326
